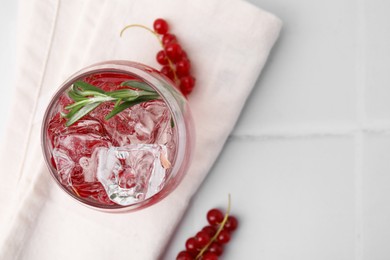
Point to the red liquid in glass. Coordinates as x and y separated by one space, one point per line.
75 149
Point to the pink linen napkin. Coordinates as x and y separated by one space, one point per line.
228 42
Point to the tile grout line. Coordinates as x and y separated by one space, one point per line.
303 133
361 121
359 157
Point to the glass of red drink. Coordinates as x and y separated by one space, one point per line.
129 161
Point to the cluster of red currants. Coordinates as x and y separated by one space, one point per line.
208 243
173 58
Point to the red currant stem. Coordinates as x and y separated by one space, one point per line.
159 40
218 231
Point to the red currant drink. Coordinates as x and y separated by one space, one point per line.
129 160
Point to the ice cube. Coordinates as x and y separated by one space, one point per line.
140 123
152 119
89 168
64 165
133 172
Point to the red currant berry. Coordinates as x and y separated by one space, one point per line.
183 67
192 245
184 255
168 38
210 256
186 85
223 237
167 71
215 248
160 26
162 58
174 51
231 224
209 230
202 239
214 216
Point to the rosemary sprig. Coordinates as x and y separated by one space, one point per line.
87 97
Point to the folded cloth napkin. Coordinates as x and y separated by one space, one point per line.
228 42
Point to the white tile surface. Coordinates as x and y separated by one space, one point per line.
315 131
294 198
376 197
308 162
310 78
377 64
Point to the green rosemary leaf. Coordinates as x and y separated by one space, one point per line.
127 94
74 96
127 104
87 87
89 93
78 91
138 85
71 112
86 90
117 102
78 104
82 112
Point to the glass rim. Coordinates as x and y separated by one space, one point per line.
177 106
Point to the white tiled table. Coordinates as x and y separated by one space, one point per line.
308 165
